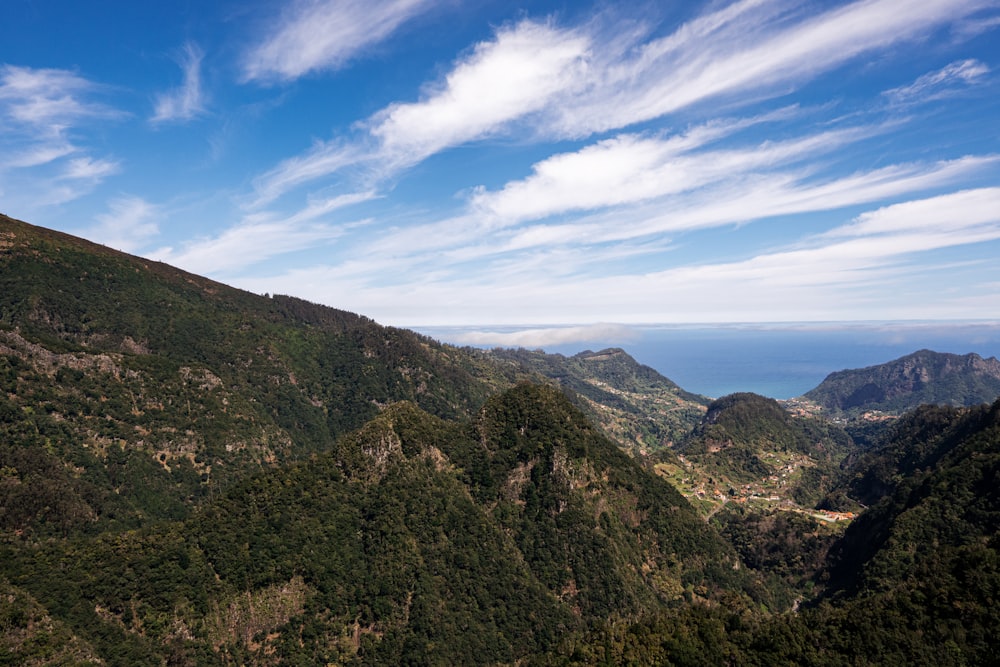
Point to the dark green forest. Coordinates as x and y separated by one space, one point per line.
195 475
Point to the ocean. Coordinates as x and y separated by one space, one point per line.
776 360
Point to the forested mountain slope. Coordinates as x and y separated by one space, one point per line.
132 389
148 388
644 410
413 539
915 580
744 440
924 377
193 475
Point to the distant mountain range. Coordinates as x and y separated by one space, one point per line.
191 474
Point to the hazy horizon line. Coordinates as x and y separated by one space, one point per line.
606 333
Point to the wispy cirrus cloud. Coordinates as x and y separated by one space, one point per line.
48 101
729 190
523 70
629 168
187 101
882 244
40 112
753 48
501 81
878 247
129 224
263 235
976 25
62 182
314 35
89 169
956 212
323 159
943 83
245 244
542 81
759 197
845 274
39 154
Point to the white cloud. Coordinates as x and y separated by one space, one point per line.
883 246
739 197
628 169
320 206
39 111
188 100
48 100
39 154
262 236
550 82
128 225
822 276
545 337
321 160
324 34
59 181
831 276
88 169
518 73
753 48
947 213
976 25
942 83
748 198
758 198
500 82
244 245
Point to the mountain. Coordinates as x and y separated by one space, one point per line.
30 636
142 338
412 540
195 475
924 377
749 446
916 577
645 411
914 580
164 387
133 389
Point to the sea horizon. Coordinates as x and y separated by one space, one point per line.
780 360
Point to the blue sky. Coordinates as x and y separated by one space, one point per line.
488 164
